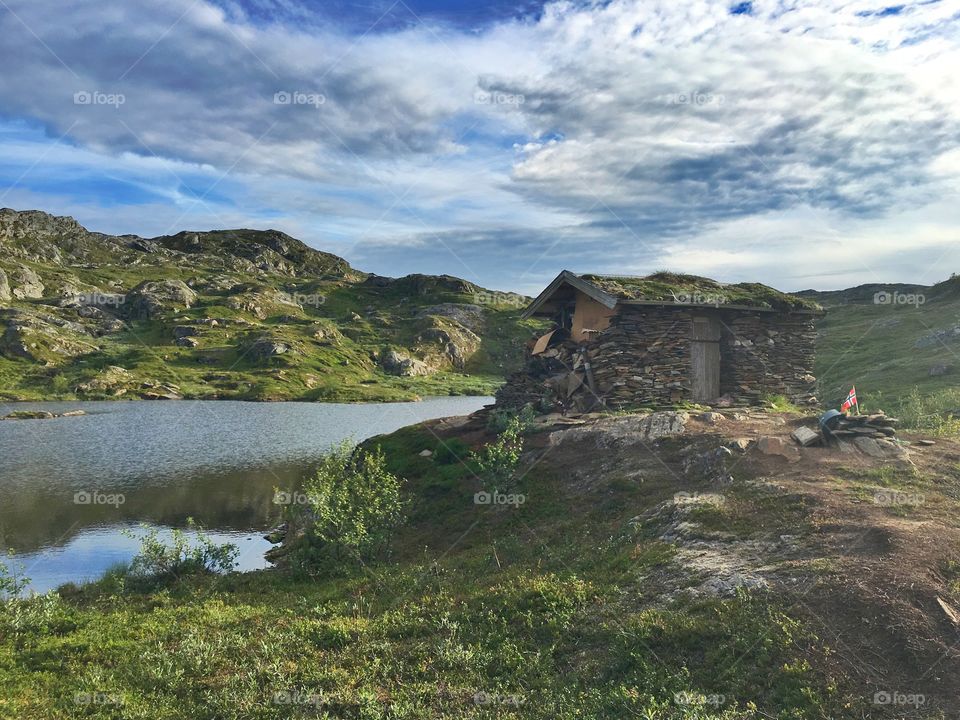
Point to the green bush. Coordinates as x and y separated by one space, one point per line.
11 583
497 461
353 506
60 384
502 418
159 560
451 451
933 413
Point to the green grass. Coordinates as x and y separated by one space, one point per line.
671 286
542 611
872 347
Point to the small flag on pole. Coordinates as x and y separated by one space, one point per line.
851 400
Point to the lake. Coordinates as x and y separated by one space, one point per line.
70 487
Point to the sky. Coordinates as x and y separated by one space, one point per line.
799 144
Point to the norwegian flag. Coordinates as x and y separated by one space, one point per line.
851 400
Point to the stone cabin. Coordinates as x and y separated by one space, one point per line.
664 339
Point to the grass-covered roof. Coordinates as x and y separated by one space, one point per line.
677 287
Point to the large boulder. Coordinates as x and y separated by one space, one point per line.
939 337
5 293
455 342
418 284
26 283
396 363
264 348
260 301
774 445
111 381
468 315
153 297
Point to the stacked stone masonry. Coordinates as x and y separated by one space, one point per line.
644 358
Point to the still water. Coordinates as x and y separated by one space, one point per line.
69 487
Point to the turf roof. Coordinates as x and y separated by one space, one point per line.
677 287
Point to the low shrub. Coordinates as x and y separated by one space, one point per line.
451 451
12 583
158 560
502 418
497 461
353 506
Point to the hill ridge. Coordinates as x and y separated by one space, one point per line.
233 313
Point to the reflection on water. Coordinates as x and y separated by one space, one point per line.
68 486
94 550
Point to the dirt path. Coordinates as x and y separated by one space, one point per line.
866 549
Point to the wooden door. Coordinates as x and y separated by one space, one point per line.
705 359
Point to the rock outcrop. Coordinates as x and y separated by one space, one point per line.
264 348
264 298
396 363
26 283
154 297
625 431
41 337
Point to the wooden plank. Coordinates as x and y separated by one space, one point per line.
706 329
542 342
705 359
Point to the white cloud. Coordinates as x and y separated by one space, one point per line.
632 133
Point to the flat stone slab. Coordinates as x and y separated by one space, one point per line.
769 445
805 436
623 431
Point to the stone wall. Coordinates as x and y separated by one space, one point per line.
767 354
643 358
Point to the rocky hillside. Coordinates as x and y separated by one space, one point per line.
245 314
